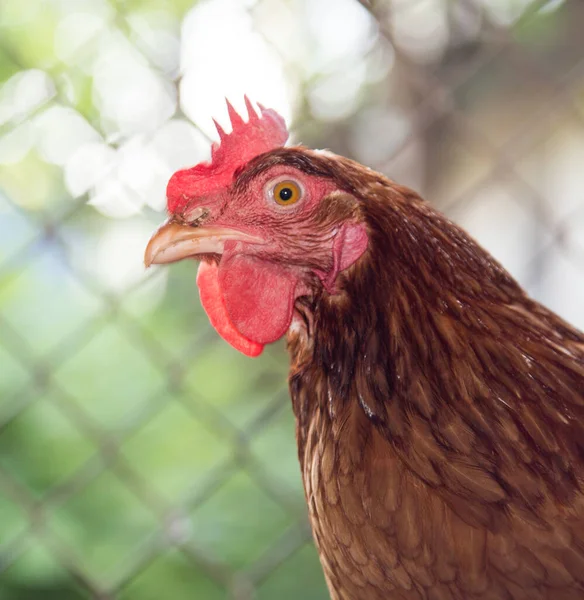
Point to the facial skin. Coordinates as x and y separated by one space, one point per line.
269 238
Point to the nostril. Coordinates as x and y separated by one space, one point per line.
196 215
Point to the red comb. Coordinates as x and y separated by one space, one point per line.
247 139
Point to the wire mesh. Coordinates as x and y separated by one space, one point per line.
140 457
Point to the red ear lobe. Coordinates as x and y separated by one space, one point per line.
349 245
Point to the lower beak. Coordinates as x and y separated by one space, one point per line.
173 242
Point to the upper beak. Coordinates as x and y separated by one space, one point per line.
173 241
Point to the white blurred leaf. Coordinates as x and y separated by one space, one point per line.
119 260
181 144
76 36
342 31
24 92
142 170
225 57
60 132
156 33
334 96
88 165
421 29
15 145
113 199
130 96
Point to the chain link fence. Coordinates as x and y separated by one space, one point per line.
140 457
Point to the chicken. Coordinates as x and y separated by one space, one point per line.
439 410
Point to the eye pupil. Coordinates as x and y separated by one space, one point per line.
285 194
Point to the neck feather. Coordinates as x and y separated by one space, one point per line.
441 348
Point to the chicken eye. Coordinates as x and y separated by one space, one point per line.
286 193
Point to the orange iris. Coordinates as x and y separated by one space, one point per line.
286 193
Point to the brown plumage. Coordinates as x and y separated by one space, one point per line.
440 417
440 411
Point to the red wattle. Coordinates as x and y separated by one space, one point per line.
258 296
214 305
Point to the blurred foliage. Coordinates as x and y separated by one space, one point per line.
173 420
176 417
94 387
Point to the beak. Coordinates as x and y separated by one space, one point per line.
173 242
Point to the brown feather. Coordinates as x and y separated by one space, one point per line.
440 411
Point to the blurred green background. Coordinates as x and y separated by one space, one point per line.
140 456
